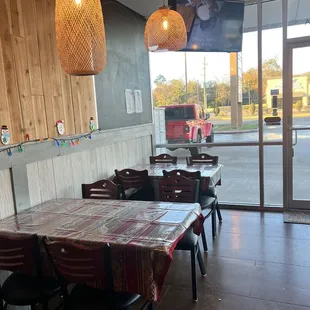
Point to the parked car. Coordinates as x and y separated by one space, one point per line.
187 123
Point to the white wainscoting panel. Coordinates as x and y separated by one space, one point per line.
62 177
6 194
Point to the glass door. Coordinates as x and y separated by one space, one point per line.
297 124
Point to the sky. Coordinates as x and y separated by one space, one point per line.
172 64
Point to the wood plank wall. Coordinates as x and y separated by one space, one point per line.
35 91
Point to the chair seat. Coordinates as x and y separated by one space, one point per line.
83 297
141 194
21 290
188 241
206 202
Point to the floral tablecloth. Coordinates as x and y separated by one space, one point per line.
142 235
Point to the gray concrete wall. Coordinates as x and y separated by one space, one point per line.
127 68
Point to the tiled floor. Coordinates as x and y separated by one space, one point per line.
256 262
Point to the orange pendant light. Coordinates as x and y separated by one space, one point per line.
165 31
80 36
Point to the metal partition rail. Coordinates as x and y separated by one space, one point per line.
221 144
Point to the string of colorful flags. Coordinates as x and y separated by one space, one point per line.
59 142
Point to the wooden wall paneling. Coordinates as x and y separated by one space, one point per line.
47 180
8 9
11 82
67 102
83 102
58 111
120 157
32 46
23 82
4 104
80 172
139 149
49 13
147 148
34 184
17 18
111 161
30 72
101 162
88 97
93 165
63 177
6 194
44 32
40 116
76 99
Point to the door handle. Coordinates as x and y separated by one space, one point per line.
300 128
295 130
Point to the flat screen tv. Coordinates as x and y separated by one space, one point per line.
212 26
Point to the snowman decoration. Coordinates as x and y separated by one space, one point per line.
5 135
60 127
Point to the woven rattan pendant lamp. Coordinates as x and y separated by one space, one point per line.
165 31
80 36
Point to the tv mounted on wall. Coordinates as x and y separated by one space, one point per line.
212 26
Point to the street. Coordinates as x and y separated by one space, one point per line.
240 174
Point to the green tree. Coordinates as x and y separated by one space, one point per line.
194 92
222 93
169 93
271 69
160 80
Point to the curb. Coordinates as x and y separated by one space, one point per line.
235 131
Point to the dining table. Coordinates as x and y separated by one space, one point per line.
142 235
211 175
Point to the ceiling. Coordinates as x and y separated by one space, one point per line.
299 11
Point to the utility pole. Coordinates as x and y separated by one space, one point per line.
205 95
186 94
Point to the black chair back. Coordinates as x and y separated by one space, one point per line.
78 264
201 159
176 189
104 189
195 175
20 254
163 159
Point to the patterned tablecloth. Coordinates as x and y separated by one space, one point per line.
142 235
207 171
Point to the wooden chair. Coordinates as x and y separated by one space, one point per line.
201 159
163 159
78 264
180 189
207 203
104 189
135 185
25 286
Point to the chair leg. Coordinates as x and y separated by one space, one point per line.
151 306
219 214
33 307
201 262
213 216
194 279
204 240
